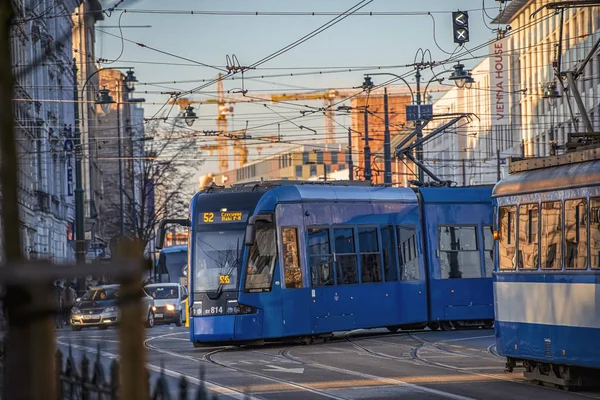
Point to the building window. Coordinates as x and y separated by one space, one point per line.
334 157
408 253
595 232
459 254
551 235
528 236
320 258
390 269
305 157
319 157
298 171
369 255
345 254
507 242
313 170
291 261
576 234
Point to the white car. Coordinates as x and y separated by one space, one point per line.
169 302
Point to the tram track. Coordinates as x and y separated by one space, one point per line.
209 358
286 353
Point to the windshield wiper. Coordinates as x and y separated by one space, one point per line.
234 265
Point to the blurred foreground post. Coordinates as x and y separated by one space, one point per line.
133 379
30 340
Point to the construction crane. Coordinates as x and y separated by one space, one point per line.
225 108
328 98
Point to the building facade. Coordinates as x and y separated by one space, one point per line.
514 115
299 162
44 119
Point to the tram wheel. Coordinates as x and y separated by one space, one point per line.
446 325
434 326
392 329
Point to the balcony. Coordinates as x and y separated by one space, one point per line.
42 201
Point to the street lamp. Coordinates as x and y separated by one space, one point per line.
367 84
105 100
462 78
551 91
189 116
130 80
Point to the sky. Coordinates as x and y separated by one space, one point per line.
382 41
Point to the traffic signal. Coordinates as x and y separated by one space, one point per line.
460 25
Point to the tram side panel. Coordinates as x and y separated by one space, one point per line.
459 236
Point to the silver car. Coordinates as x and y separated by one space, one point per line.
169 302
99 307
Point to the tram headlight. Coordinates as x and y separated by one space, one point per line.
244 309
197 309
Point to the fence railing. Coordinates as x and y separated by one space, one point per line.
92 380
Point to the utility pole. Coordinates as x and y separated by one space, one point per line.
367 151
119 94
387 157
498 165
419 149
79 213
349 156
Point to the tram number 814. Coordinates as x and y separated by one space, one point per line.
213 310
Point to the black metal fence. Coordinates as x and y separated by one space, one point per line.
87 380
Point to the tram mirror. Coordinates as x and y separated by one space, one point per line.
251 227
250 234
160 238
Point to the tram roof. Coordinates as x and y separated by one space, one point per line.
471 194
333 191
560 177
341 193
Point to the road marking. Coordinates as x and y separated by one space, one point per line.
277 368
173 374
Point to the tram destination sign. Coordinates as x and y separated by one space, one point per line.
223 216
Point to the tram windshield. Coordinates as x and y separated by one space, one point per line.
217 260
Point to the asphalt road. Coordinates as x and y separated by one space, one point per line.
357 365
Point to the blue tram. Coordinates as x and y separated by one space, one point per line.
548 267
275 260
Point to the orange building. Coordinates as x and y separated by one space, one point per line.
397 103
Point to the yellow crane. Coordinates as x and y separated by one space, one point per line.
225 108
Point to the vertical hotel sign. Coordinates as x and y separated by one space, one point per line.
69 148
499 89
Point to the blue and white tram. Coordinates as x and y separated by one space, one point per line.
548 267
277 260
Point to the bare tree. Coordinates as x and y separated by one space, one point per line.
167 177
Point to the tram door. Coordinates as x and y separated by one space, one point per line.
295 291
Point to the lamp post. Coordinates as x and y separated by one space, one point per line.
367 86
550 94
461 78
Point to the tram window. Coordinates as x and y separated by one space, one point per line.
506 245
595 232
345 254
291 262
408 253
459 253
320 259
551 235
576 234
488 249
390 269
261 261
369 254
528 236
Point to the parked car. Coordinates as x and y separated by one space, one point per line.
169 302
99 307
